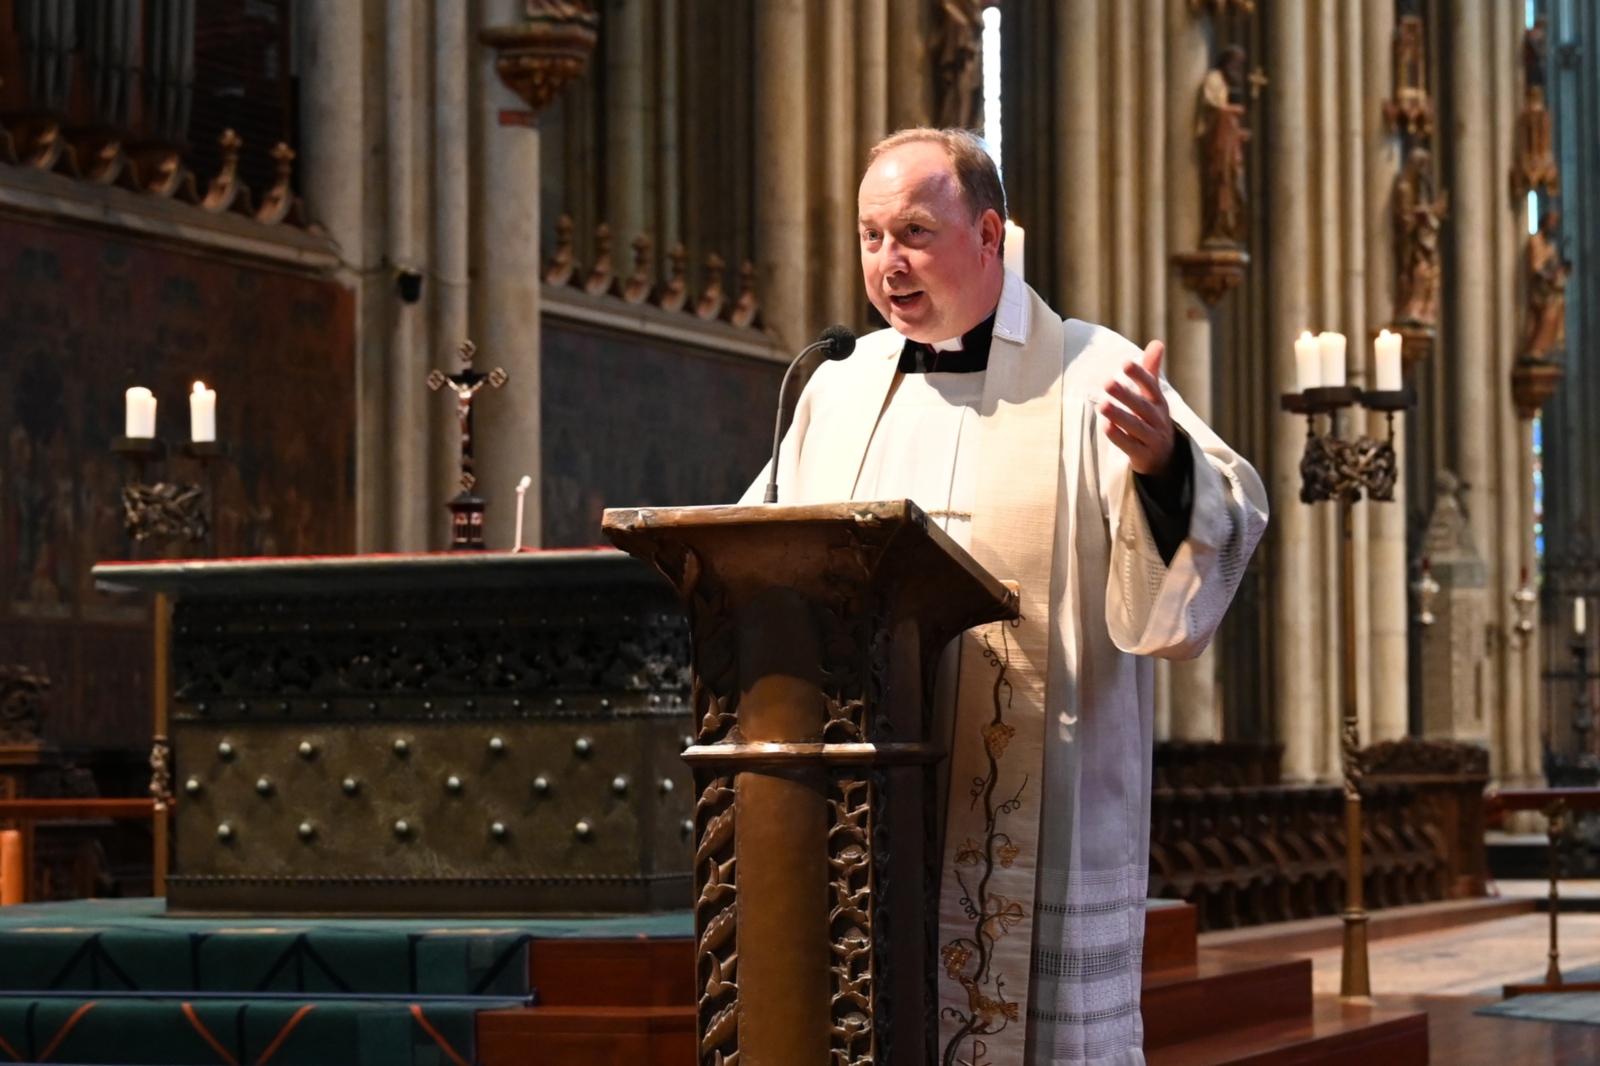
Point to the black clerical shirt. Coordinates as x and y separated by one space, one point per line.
1167 498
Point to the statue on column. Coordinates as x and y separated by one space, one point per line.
1535 166
1223 136
1418 214
958 64
1544 334
1411 110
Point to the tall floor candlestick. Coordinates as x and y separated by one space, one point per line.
1341 470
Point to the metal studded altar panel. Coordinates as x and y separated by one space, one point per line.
495 734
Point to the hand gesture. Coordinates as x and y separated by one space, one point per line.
1136 415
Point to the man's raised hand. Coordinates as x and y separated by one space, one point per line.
1136 414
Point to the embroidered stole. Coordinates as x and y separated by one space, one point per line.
997 759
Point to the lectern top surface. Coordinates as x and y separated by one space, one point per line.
367 574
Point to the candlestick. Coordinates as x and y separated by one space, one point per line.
202 414
1331 351
1580 616
1014 245
141 413
1386 360
1307 362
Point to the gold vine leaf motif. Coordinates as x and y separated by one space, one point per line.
970 853
1008 854
1006 915
996 735
955 957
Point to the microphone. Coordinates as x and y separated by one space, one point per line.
835 342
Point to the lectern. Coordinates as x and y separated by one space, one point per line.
815 634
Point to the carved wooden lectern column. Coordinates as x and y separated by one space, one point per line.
816 631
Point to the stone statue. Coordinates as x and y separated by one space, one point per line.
1418 214
1535 164
958 64
1222 136
1544 334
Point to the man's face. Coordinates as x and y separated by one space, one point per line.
931 269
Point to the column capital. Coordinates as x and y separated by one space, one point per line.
545 51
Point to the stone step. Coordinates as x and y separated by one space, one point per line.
1333 1034
1224 991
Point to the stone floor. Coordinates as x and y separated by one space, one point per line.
1470 960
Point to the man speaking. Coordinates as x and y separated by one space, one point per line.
1058 455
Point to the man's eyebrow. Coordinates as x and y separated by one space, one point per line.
910 214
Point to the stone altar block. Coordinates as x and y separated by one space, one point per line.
440 734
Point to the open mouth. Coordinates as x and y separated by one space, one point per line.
905 301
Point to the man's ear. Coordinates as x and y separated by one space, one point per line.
991 227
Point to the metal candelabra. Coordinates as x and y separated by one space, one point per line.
1342 470
165 511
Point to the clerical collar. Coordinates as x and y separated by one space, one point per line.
967 354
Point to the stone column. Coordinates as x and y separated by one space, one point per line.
452 56
1193 692
335 149
910 76
506 298
669 153
622 31
1514 515
1473 187
1388 572
1296 694
780 144
408 335
1154 274
1328 258
1078 195
872 74
841 288
1123 305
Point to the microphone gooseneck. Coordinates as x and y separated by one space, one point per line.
835 342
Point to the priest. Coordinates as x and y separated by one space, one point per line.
1057 454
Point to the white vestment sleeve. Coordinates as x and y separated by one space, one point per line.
1171 612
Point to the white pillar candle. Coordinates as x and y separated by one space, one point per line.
1386 358
141 413
1332 347
202 414
1580 616
1307 362
1014 245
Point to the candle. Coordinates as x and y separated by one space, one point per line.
1580 617
1386 357
202 414
1332 347
141 413
1013 258
1307 362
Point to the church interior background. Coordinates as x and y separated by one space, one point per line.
311 206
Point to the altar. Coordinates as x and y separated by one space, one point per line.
440 734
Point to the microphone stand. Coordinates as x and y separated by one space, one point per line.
828 342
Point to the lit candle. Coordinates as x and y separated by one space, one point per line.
1014 248
1332 348
141 413
202 414
1307 362
1386 357
1580 616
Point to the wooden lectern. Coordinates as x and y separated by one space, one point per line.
816 631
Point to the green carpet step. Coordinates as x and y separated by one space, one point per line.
227 1031
133 945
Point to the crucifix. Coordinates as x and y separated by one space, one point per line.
466 510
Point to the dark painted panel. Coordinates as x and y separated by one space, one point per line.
82 318
632 421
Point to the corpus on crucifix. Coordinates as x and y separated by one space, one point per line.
466 509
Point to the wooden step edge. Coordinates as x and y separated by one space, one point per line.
1203 1004
1226 965
598 1020
1334 1035
1315 934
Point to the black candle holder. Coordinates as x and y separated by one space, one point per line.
164 511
